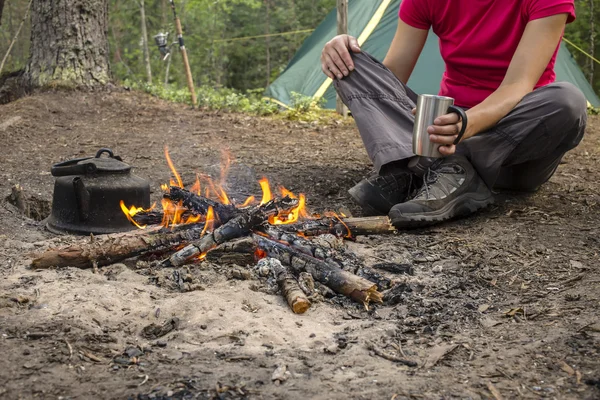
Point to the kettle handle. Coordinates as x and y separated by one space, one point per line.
72 168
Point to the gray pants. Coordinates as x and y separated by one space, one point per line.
521 152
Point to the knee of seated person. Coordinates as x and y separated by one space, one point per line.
570 100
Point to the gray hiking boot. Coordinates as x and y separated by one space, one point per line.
451 188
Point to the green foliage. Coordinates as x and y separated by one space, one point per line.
251 102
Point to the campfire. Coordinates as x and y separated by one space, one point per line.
287 242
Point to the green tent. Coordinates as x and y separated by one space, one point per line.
374 23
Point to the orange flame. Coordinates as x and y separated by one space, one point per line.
132 211
293 215
177 176
196 186
214 190
266 190
210 221
249 200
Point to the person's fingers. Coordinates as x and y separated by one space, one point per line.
332 66
353 44
447 150
345 64
443 139
326 70
447 119
444 129
336 55
414 111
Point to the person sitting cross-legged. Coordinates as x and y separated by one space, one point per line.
499 58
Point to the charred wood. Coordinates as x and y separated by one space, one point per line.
239 251
290 289
115 249
297 242
200 205
234 228
342 282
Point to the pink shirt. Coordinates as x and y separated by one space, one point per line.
478 39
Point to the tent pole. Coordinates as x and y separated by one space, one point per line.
342 28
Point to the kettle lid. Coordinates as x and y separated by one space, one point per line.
111 163
92 165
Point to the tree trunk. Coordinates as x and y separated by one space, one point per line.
592 40
1 8
69 45
145 42
268 44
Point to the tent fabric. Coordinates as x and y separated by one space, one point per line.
303 73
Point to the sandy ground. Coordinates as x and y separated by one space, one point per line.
503 304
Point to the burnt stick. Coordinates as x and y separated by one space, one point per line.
114 249
340 281
200 205
290 289
234 228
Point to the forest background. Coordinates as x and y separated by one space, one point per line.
238 44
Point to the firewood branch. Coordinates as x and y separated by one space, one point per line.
340 281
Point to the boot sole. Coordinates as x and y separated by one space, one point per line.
461 206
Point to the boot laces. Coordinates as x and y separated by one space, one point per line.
433 174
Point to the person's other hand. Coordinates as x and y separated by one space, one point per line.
335 57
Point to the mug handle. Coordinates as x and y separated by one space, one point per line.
463 116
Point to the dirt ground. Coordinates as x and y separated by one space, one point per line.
503 304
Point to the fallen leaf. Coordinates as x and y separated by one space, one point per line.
567 368
483 307
514 311
494 391
437 353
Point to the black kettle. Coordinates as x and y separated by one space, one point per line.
88 193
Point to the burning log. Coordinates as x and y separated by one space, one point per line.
345 227
234 228
343 282
289 287
114 249
200 205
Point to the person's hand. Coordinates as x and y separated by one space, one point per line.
444 131
336 60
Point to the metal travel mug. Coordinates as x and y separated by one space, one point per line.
429 107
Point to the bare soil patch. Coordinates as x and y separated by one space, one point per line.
503 304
